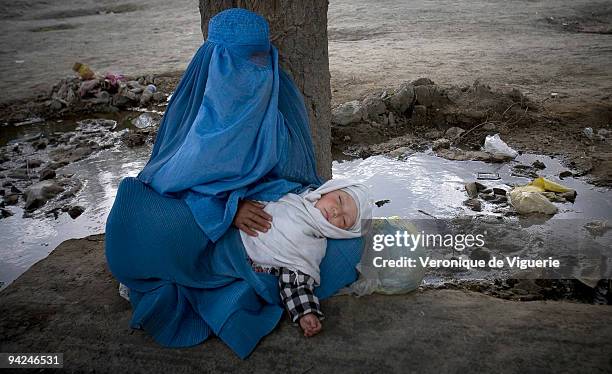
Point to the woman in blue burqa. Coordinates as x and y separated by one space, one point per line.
235 130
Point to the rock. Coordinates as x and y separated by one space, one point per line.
47 173
488 126
499 199
5 213
15 190
32 163
480 254
40 143
430 96
471 189
538 165
569 196
422 82
11 199
56 165
433 134
159 97
134 139
463 155
487 197
565 174
391 119
440 144
399 153
18 174
347 113
55 105
499 191
454 132
473 204
402 99
39 193
373 106
75 211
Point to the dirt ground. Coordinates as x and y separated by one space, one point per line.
73 307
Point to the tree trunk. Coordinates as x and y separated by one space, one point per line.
298 29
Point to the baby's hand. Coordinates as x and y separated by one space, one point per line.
310 324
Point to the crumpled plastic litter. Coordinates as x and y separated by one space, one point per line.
387 280
497 147
531 199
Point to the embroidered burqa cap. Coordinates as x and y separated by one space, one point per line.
235 127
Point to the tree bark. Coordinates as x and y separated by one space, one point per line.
298 29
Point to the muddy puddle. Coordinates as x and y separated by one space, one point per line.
421 187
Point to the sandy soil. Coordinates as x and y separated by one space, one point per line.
536 46
62 306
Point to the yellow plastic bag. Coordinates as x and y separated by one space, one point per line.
547 185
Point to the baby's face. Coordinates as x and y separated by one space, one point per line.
338 208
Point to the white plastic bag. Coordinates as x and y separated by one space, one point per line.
387 280
527 200
495 146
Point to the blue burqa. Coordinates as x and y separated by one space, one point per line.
235 128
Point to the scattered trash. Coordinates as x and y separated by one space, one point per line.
495 146
488 176
83 71
588 132
146 120
554 95
536 196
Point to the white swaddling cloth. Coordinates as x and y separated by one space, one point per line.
298 237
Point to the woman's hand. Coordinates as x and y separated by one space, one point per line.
251 216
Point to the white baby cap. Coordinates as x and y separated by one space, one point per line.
358 191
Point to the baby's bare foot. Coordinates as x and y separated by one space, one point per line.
310 324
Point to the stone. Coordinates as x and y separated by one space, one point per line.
565 174
32 163
454 132
5 213
11 199
471 189
347 113
538 165
47 173
473 204
422 82
440 143
75 211
430 96
499 191
373 106
39 193
391 119
18 174
40 143
402 99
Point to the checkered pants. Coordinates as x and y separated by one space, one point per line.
296 291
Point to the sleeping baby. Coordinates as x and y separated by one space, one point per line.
295 242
